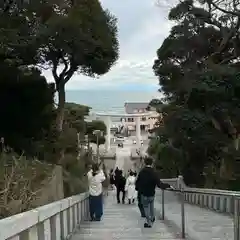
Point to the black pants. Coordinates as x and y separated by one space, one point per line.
119 190
140 205
96 207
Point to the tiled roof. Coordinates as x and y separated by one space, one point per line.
131 106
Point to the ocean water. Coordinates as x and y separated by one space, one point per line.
109 101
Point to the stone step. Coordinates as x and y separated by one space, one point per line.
158 229
122 222
109 225
79 237
124 235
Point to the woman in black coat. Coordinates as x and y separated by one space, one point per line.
112 178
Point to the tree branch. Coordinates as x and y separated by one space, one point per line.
70 72
237 14
8 6
54 72
65 68
225 41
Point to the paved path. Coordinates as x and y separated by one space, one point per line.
200 223
123 160
122 222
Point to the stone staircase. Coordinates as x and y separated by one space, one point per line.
193 214
122 222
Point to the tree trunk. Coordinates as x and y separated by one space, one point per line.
60 118
61 103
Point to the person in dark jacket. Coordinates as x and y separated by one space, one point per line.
116 172
112 178
140 205
146 183
120 182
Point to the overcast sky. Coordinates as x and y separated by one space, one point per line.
142 28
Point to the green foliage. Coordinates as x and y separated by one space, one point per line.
67 140
83 40
155 104
66 36
75 116
74 180
27 107
197 67
69 37
93 126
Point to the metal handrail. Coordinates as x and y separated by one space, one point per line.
212 191
216 192
236 219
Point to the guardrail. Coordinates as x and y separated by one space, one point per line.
214 199
222 201
217 200
202 194
172 181
54 221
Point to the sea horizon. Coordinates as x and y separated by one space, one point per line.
109 100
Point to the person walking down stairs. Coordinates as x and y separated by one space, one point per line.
116 172
112 178
95 179
140 205
120 182
130 187
146 183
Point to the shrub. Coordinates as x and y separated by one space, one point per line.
20 182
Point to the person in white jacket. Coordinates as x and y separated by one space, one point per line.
95 179
130 188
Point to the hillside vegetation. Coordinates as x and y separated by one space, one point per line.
39 135
198 70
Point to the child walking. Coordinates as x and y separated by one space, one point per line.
130 188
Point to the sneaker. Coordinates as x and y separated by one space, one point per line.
147 225
153 219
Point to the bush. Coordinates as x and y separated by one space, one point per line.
75 180
20 182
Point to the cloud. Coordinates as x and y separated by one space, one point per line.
142 28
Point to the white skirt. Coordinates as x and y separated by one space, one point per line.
131 192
